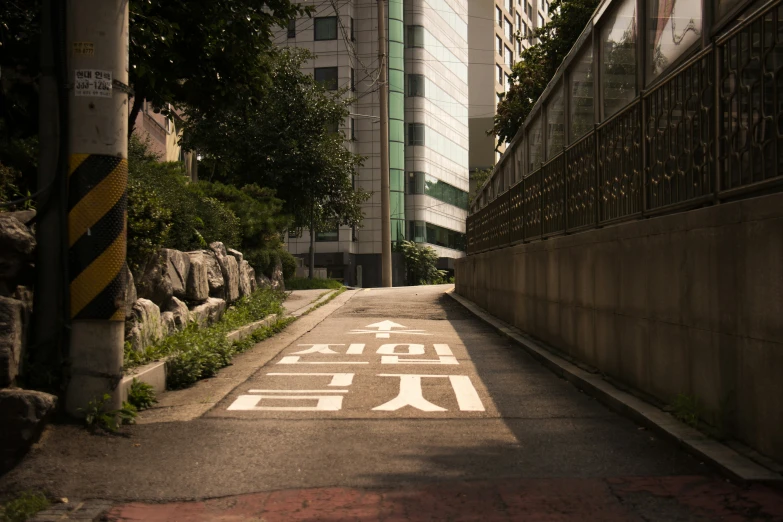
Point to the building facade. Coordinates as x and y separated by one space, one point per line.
498 31
428 126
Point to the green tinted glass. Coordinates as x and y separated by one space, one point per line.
396 155
396 31
396 130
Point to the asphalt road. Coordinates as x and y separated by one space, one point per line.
393 404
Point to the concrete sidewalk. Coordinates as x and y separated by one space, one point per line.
299 299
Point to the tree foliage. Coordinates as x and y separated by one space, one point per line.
284 142
538 64
421 264
201 53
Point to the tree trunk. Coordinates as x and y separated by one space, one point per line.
138 101
312 242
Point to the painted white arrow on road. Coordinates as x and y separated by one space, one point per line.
385 328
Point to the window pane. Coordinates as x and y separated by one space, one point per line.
416 85
415 36
534 141
509 30
415 134
540 20
509 57
326 28
618 58
674 25
555 124
327 76
499 42
582 93
328 235
500 74
292 28
499 14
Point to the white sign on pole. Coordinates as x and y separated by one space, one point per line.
93 83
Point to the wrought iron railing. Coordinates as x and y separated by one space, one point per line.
712 130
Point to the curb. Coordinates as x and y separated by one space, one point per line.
727 460
309 307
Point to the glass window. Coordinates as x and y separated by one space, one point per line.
327 76
509 57
530 11
509 5
326 28
519 21
353 37
444 237
540 20
499 14
582 92
509 30
507 85
499 42
534 142
416 85
328 235
555 123
415 36
292 28
415 134
353 129
674 26
353 79
618 58
500 74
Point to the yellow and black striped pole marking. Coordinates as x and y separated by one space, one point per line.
97 212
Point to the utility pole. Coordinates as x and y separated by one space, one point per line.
97 47
48 299
386 261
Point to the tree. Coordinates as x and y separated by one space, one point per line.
287 142
19 70
203 54
538 63
421 264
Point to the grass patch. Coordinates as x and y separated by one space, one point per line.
304 283
197 352
211 338
141 395
325 301
686 408
23 507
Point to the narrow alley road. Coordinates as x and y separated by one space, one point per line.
393 405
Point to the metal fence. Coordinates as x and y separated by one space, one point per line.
710 131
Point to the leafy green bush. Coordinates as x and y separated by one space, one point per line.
149 222
97 417
23 507
421 264
289 264
141 395
304 283
164 210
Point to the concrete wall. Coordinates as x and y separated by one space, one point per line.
689 303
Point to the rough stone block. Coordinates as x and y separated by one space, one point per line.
146 327
245 285
166 275
130 292
23 415
17 247
208 312
230 270
197 286
11 339
236 254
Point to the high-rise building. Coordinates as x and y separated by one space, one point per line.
494 48
428 126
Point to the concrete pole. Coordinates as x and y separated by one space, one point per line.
386 261
98 175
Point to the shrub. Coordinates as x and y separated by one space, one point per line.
289 264
149 222
141 395
421 264
194 220
24 507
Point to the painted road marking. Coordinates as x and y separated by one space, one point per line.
295 359
384 329
338 379
411 393
324 403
